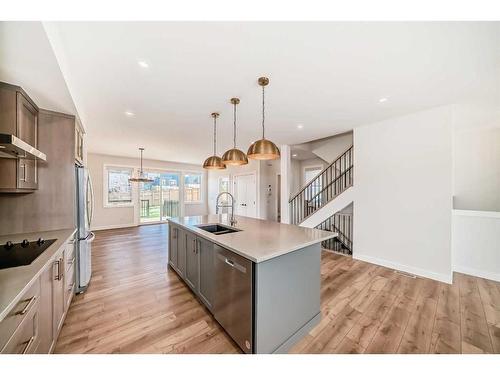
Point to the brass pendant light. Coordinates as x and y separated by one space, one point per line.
234 156
141 176
214 162
263 149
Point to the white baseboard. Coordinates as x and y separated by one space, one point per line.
114 226
478 273
402 267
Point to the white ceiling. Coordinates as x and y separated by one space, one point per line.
27 60
327 76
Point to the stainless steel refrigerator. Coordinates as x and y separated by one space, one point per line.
84 237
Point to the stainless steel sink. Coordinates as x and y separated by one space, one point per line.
217 229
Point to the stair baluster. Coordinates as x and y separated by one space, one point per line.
331 182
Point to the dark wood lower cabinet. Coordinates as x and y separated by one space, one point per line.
58 294
45 317
33 325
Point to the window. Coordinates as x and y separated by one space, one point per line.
117 188
223 186
192 188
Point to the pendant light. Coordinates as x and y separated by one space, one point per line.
214 162
234 156
141 176
263 149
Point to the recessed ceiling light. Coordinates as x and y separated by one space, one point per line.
143 64
381 100
300 126
129 113
294 155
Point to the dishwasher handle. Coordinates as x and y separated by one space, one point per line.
232 263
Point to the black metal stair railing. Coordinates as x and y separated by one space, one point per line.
331 182
340 223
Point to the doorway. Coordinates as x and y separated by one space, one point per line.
245 194
159 199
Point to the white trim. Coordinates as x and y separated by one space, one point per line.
202 200
491 214
401 267
477 273
114 226
257 189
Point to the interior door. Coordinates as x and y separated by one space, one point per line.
246 195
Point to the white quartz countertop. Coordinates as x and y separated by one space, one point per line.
14 282
258 240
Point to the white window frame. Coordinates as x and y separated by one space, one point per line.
229 185
105 179
310 167
202 181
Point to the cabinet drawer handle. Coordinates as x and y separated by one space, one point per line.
71 287
28 345
61 271
23 166
59 264
28 306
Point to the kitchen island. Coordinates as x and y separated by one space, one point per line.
260 279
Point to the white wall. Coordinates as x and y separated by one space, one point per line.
331 148
403 190
115 217
253 166
269 170
476 243
477 148
477 169
295 178
266 174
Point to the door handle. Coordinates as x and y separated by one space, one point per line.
57 277
229 261
23 166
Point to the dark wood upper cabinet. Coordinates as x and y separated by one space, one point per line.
18 116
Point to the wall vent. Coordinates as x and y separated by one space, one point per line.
406 274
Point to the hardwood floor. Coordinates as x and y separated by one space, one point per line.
135 305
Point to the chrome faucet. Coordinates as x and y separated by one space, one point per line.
232 220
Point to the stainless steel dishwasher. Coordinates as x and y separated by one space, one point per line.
233 296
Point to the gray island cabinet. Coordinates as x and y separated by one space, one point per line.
261 280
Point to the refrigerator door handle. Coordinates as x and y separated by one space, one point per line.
90 201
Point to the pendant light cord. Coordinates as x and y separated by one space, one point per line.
263 111
215 135
234 127
141 162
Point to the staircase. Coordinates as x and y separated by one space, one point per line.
318 203
326 186
342 224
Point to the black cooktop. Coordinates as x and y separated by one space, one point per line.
22 253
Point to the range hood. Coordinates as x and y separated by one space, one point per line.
13 147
